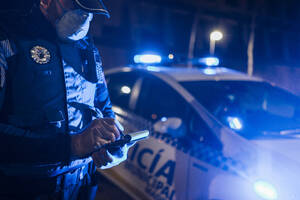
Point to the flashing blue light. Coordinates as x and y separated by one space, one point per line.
210 61
163 119
265 190
147 58
235 123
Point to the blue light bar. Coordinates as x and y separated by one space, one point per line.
147 58
210 61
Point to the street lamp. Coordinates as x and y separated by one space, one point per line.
214 36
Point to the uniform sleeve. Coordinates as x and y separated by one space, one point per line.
21 145
102 99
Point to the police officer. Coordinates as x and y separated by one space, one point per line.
55 108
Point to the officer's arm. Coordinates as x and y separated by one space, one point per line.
20 145
102 99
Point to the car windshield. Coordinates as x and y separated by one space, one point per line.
253 109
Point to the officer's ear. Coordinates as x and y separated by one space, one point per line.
48 8
45 4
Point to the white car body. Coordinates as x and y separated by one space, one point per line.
162 168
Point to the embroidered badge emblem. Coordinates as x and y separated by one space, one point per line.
40 55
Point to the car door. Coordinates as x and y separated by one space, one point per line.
163 156
196 153
124 88
205 159
149 171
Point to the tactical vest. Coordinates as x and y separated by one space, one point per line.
35 87
51 87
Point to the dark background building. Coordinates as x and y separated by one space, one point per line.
166 26
182 27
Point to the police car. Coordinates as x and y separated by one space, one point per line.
215 134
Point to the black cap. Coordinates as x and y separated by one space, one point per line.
93 6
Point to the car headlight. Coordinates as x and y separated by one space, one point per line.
235 123
265 190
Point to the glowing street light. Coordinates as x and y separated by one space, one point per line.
214 36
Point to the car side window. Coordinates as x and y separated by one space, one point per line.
120 86
158 100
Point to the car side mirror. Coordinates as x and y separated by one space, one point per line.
173 126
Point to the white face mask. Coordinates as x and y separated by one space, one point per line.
73 25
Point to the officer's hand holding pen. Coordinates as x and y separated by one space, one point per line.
99 133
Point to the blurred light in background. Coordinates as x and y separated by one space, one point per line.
154 116
265 190
163 119
209 61
126 90
216 36
171 56
235 123
147 58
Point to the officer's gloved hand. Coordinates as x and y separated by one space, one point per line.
103 159
97 134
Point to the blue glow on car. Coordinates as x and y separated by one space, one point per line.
265 190
210 61
153 69
235 123
210 71
147 58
